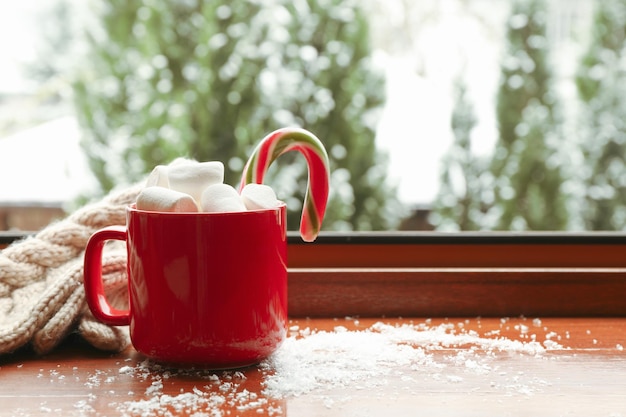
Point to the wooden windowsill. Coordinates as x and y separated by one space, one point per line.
571 287
586 376
462 274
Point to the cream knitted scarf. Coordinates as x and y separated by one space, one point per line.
41 281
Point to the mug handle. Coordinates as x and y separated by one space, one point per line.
94 287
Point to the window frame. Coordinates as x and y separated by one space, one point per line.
466 274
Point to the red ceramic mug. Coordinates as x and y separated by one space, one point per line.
205 289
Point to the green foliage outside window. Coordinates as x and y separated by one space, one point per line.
208 79
526 165
530 182
601 82
465 182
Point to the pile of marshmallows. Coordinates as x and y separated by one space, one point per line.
190 186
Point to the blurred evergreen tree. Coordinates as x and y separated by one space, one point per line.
462 198
601 82
169 79
327 82
208 80
526 165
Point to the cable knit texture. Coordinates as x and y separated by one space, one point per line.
42 298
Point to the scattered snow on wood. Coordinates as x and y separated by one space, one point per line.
315 363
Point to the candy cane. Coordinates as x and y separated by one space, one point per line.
316 197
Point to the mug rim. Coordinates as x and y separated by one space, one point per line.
133 208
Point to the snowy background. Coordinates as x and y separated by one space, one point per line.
422 45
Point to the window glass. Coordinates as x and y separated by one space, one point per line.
449 115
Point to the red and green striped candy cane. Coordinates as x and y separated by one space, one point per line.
295 139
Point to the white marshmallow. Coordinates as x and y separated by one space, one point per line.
183 161
259 197
158 177
194 178
164 199
220 198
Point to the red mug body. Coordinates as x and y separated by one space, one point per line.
205 289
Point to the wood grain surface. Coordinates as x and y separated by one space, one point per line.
583 375
461 292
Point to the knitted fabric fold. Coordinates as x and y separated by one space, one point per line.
42 298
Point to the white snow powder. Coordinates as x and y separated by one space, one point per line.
316 362
324 360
